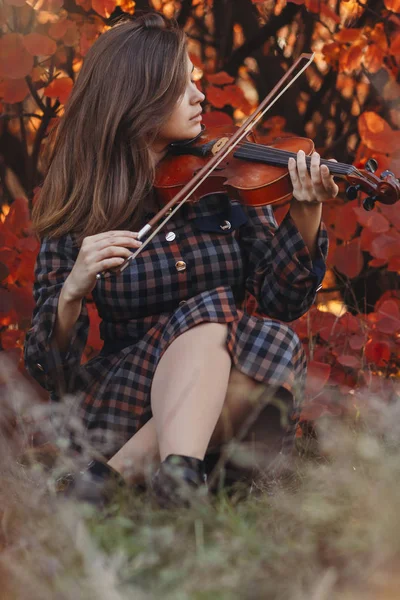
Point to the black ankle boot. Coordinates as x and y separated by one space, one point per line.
96 484
179 481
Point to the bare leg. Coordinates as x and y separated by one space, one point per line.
189 389
141 451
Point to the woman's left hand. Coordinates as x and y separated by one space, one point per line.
315 187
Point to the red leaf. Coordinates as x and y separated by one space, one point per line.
13 90
221 78
388 317
347 360
5 302
357 341
345 223
22 301
348 258
349 323
377 262
391 212
377 352
59 29
376 134
386 245
11 338
373 220
317 376
15 61
394 264
216 118
105 8
18 219
39 45
59 88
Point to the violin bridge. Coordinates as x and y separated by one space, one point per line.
219 144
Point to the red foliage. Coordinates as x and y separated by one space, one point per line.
345 353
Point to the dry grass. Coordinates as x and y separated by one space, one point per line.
330 530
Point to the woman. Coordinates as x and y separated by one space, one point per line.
180 357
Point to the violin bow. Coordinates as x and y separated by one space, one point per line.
222 148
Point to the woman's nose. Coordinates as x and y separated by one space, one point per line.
198 96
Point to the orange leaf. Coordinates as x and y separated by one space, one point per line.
348 36
13 90
348 258
57 30
350 58
15 61
39 45
105 8
376 134
393 5
221 78
59 88
71 36
373 58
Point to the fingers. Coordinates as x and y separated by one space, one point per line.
330 187
318 185
115 237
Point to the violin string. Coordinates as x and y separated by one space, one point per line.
280 157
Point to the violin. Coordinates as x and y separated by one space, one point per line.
188 172
256 174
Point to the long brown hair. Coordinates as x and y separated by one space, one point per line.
100 169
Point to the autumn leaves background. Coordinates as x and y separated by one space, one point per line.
347 102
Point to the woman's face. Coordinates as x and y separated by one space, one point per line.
185 120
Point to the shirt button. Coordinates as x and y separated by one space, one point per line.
170 236
180 265
225 226
182 302
40 367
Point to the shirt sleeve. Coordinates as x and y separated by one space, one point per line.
54 370
280 273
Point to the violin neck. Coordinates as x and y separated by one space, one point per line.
280 158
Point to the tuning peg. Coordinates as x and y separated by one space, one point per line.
371 165
387 173
369 202
352 191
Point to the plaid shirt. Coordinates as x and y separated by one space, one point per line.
198 268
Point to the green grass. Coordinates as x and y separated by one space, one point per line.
329 530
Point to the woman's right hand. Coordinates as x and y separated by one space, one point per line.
98 253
